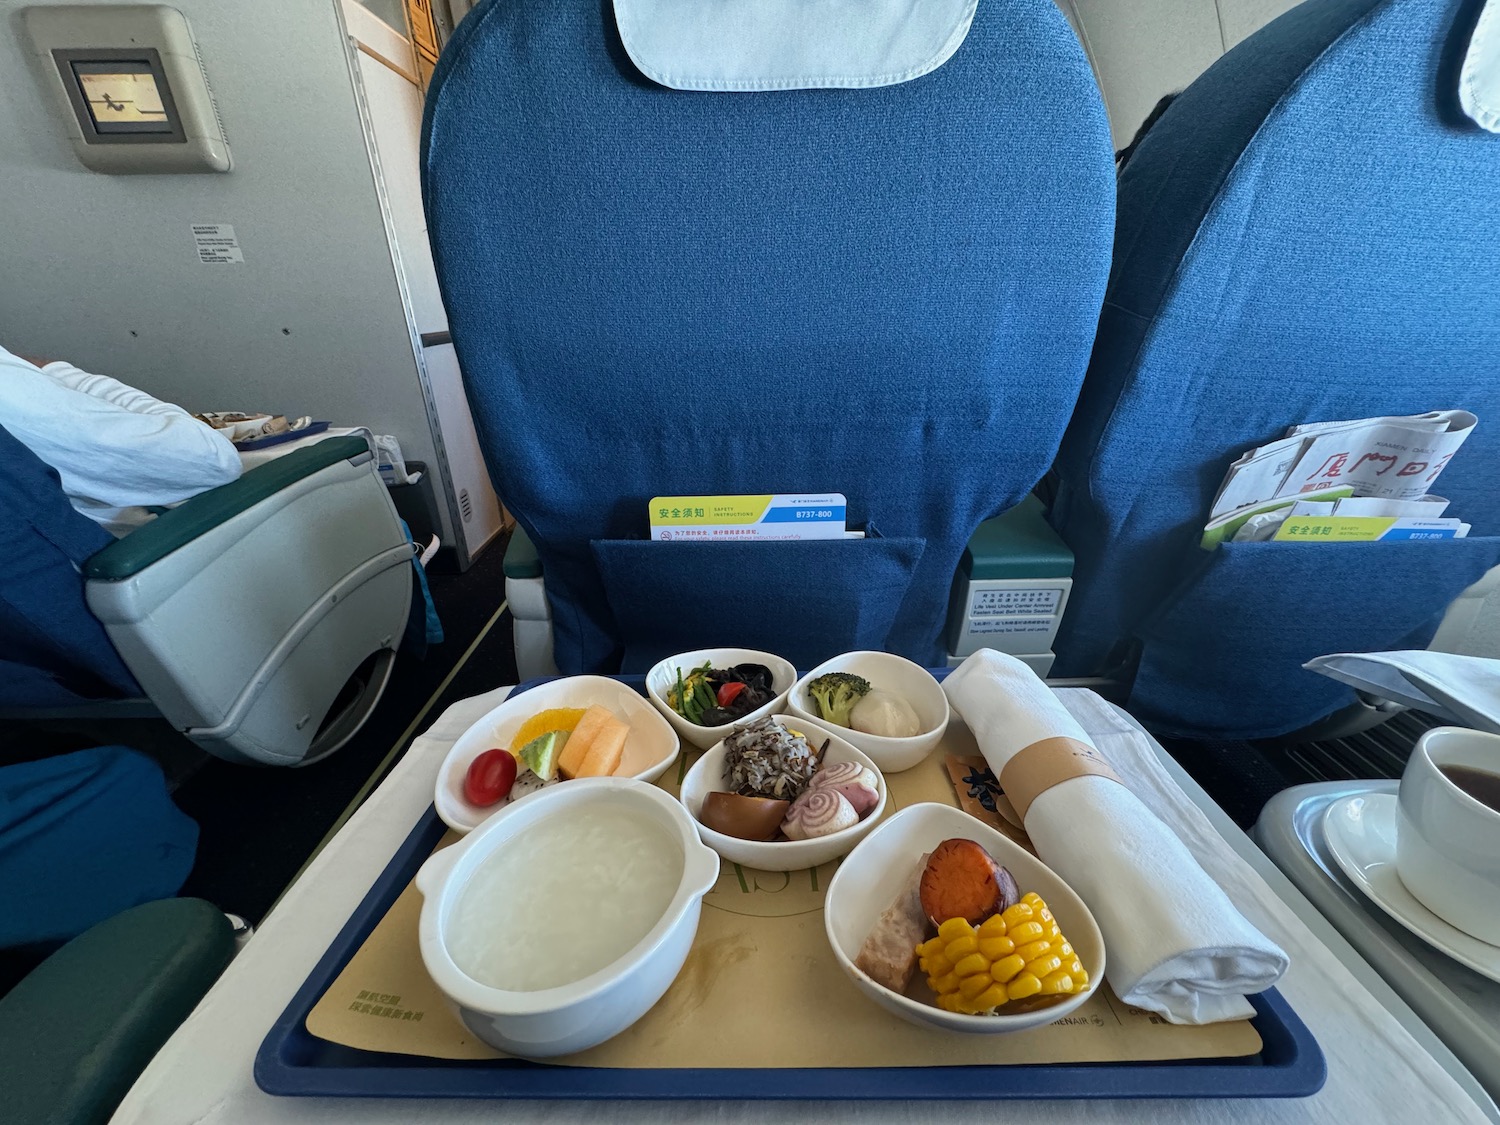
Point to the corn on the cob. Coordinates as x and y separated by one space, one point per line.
1018 953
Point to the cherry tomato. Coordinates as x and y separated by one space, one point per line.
728 692
490 777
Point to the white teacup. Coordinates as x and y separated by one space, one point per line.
1448 842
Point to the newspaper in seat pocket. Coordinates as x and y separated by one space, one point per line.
1389 458
1392 460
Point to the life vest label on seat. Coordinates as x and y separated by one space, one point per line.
1014 601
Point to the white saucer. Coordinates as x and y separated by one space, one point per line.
1361 835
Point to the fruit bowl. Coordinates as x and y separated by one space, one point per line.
651 747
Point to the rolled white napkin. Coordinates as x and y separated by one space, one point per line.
1458 689
1174 942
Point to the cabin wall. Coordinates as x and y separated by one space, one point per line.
102 269
1141 51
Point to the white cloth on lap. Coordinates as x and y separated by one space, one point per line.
116 449
1174 943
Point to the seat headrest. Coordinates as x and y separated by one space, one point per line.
758 45
1479 78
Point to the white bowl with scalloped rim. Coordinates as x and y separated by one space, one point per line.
651 747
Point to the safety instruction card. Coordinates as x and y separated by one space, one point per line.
773 516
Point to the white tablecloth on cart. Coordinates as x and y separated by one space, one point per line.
1376 1071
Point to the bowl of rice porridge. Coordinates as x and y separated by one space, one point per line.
561 920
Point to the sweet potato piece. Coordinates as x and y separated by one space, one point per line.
961 880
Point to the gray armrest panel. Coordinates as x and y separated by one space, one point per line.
244 632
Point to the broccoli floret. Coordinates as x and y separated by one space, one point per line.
837 693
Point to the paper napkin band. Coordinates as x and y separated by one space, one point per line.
1034 769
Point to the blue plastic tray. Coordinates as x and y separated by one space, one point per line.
293 1062
251 444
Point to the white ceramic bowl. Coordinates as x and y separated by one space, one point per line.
707 775
664 675
576 1016
870 878
650 749
889 673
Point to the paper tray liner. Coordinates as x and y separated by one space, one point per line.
760 989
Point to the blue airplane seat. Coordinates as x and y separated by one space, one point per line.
888 293
1307 234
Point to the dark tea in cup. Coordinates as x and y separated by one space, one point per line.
1482 785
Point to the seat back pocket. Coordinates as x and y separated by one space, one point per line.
1223 657
802 600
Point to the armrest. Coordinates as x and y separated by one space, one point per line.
181 525
521 558
1011 587
1019 543
245 612
79 1029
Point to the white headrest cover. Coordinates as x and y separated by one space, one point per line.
790 44
1479 79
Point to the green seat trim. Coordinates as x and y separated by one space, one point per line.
521 559
79 1029
206 511
1019 543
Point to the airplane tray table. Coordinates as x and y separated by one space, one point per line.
1461 1007
292 1061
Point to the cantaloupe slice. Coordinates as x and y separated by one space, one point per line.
604 755
594 720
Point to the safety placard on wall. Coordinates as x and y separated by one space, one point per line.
216 243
